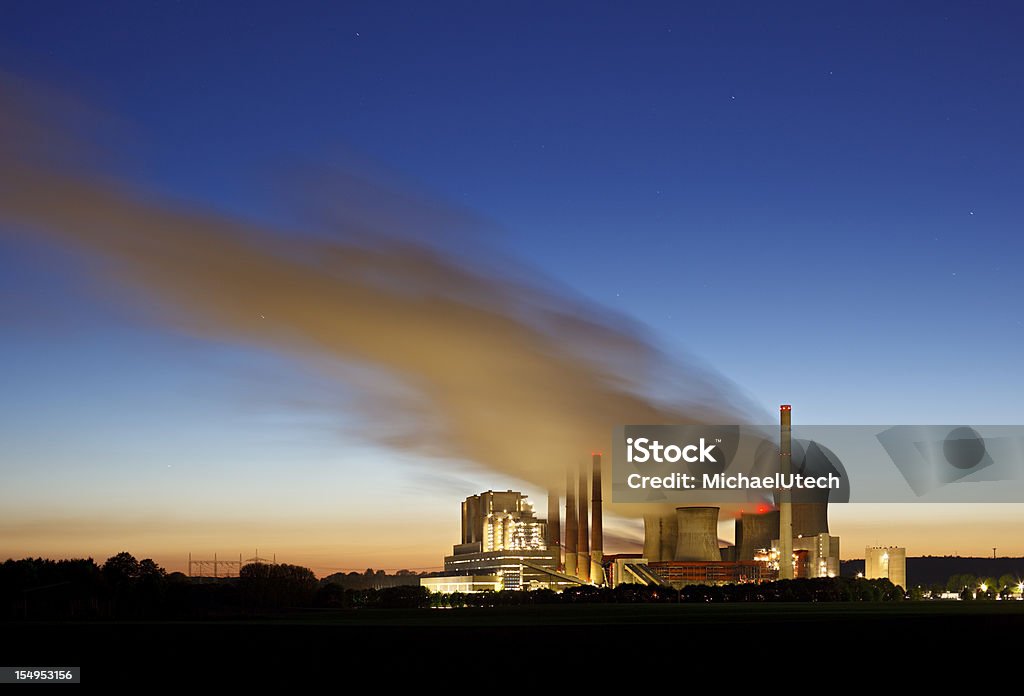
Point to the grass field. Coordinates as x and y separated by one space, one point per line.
296 647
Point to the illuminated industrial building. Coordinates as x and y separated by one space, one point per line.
503 538
622 569
503 547
462 583
886 562
822 555
681 573
500 521
813 556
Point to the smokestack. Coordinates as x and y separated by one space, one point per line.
596 527
554 528
583 539
785 495
570 523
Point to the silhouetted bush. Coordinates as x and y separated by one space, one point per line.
275 586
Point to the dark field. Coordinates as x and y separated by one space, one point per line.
318 647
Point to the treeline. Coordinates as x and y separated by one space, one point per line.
371 579
79 588
802 590
126 588
334 596
969 586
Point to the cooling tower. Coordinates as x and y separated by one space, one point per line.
652 538
810 519
583 537
660 537
669 532
570 523
597 526
697 535
755 531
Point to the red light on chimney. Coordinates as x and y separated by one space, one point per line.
785 407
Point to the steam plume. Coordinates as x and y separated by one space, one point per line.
469 360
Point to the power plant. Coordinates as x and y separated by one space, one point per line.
505 546
683 547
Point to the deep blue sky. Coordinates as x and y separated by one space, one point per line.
822 203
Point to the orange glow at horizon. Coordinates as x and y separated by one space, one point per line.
420 542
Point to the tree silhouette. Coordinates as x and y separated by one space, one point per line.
148 569
280 585
122 569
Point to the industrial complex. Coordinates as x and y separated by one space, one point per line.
504 544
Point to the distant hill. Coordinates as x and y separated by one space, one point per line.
930 570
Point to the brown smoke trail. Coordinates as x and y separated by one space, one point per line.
510 374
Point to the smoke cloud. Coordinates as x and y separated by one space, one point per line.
456 353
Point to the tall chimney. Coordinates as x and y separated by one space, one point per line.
583 539
570 523
596 527
554 529
785 495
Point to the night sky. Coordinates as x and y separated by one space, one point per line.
821 204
